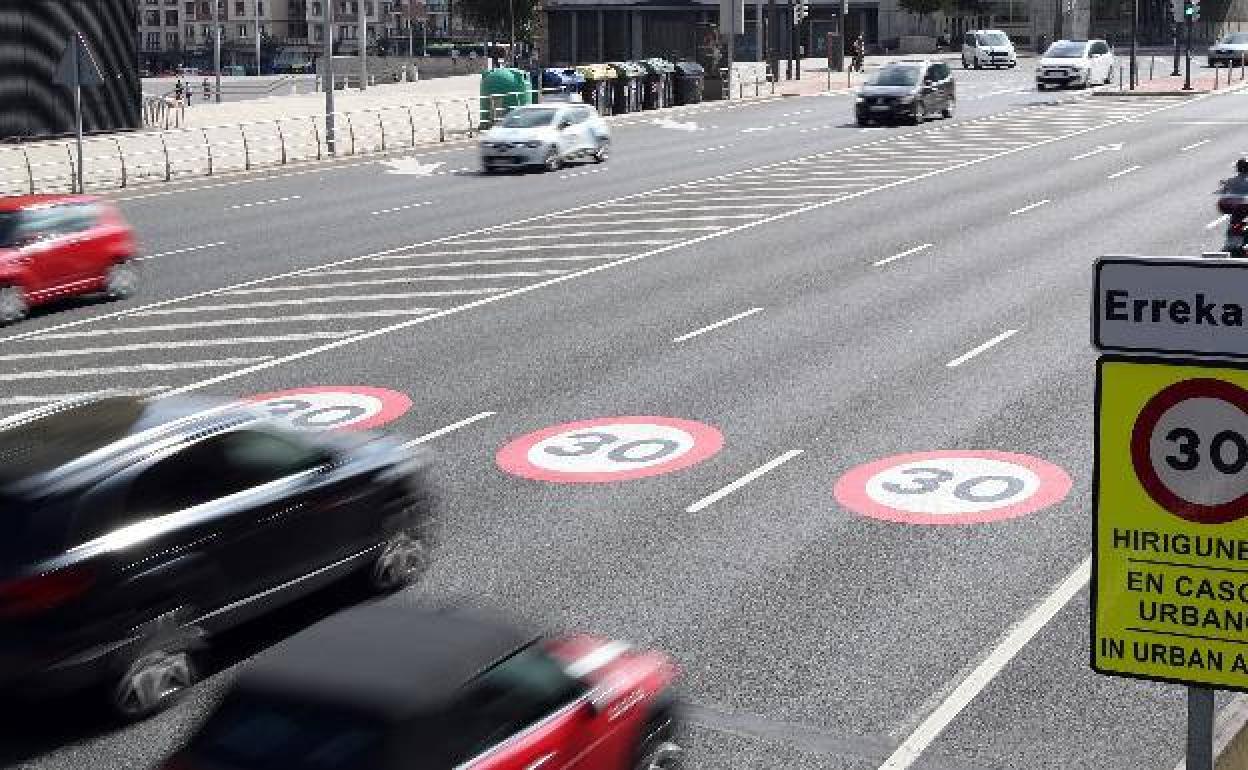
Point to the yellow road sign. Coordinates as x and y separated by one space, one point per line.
1170 500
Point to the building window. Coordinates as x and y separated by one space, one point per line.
316 9
152 18
344 33
171 18
152 41
320 34
171 41
240 8
368 9
190 11
259 7
242 30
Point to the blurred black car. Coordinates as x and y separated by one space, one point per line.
389 687
131 531
907 90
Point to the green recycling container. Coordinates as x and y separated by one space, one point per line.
502 89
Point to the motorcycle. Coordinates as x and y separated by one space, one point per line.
1236 207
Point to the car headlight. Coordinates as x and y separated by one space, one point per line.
859 98
533 144
906 99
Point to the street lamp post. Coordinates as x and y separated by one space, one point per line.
511 17
258 37
1135 20
363 47
327 79
216 46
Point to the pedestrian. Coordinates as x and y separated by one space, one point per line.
190 91
177 91
207 89
859 51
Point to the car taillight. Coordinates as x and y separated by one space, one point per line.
34 594
1238 227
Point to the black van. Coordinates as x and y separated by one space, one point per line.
909 90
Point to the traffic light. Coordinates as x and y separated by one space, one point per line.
1191 9
800 11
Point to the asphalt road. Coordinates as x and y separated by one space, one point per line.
894 291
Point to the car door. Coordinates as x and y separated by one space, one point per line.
565 125
44 251
944 85
929 93
527 712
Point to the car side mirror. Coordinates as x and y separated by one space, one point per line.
565 124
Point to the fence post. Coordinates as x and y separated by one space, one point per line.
1151 61
411 122
281 139
351 132
441 126
242 129
168 167
73 171
121 157
381 125
316 134
207 146
30 172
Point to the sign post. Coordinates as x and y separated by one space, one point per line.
1170 497
78 68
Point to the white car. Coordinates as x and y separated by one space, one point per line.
545 135
1230 51
988 48
1081 63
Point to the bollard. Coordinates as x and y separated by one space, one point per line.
316 134
121 157
208 146
281 138
1216 75
30 172
1151 62
242 129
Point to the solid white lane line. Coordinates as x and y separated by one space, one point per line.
718 324
464 277
668 209
967 356
302 301
402 208
53 398
186 250
448 429
997 659
802 210
771 465
1089 154
1029 207
351 284
474 263
905 253
218 363
172 344
503 249
264 203
1195 145
1125 171
239 322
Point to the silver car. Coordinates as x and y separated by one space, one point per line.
1231 50
546 136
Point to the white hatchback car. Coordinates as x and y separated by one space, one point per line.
1082 63
988 48
546 135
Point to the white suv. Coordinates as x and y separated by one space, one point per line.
1075 63
987 48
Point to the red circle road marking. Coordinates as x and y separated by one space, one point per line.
952 487
380 406
607 449
1141 455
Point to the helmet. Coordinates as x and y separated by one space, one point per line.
1241 166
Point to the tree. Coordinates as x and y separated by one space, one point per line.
495 15
920 8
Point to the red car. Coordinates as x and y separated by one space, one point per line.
385 686
56 246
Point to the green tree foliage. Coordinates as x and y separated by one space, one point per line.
495 15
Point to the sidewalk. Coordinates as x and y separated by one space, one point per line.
1204 80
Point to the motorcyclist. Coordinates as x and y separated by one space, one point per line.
1234 192
858 49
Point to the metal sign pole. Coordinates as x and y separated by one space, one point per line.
363 32
327 79
1135 20
216 46
77 81
1199 728
1187 79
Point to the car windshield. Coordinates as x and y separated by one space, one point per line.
993 38
8 228
258 734
1065 51
897 76
1239 38
528 118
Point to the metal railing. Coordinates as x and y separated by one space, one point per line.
122 160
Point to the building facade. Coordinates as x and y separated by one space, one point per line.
33 37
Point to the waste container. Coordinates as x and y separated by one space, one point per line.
560 84
597 88
659 79
690 80
502 89
627 88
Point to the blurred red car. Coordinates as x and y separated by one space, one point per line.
386 686
56 246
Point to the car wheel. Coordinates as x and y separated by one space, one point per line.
948 111
403 559
917 117
602 151
657 749
553 161
13 306
152 682
965 65
977 64
121 280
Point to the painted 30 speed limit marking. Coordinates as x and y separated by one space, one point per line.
334 407
952 487
609 449
1189 449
